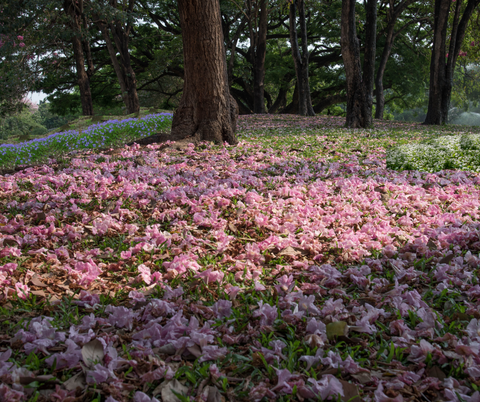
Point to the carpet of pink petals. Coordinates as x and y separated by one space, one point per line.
209 256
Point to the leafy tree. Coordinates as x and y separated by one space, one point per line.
23 124
17 67
443 63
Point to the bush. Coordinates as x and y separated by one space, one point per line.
447 152
20 124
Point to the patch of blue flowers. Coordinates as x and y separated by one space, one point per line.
107 134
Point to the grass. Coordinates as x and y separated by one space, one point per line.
239 258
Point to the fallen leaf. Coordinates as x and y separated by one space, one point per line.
37 282
431 245
337 328
168 349
39 293
257 359
92 353
213 394
170 388
10 243
232 227
41 216
436 372
363 377
350 392
313 340
447 259
195 350
77 381
289 251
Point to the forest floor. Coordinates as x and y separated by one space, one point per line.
294 266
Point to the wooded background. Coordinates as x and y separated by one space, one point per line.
282 56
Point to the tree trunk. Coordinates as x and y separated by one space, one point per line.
435 114
123 68
301 59
394 13
292 107
441 72
72 10
207 111
259 52
82 78
121 43
125 74
380 96
370 49
358 114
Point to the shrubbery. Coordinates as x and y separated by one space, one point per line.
447 152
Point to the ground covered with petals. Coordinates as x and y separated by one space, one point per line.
294 266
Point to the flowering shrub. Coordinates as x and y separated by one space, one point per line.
446 152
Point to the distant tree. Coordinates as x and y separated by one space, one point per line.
300 56
258 39
442 64
49 120
116 20
17 69
359 86
74 10
22 124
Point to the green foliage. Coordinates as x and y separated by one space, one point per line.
23 124
48 119
447 152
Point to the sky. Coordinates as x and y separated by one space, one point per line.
36 96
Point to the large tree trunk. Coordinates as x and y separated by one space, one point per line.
358 113
74 11
207 111
301 59
441 72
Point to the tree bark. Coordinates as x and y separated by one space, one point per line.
394 13
435 114
259 40
121 43
370 50
74 11
358 113
207 111
301 59
441 71
292 107
123 68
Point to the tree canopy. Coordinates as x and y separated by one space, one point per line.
130 54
